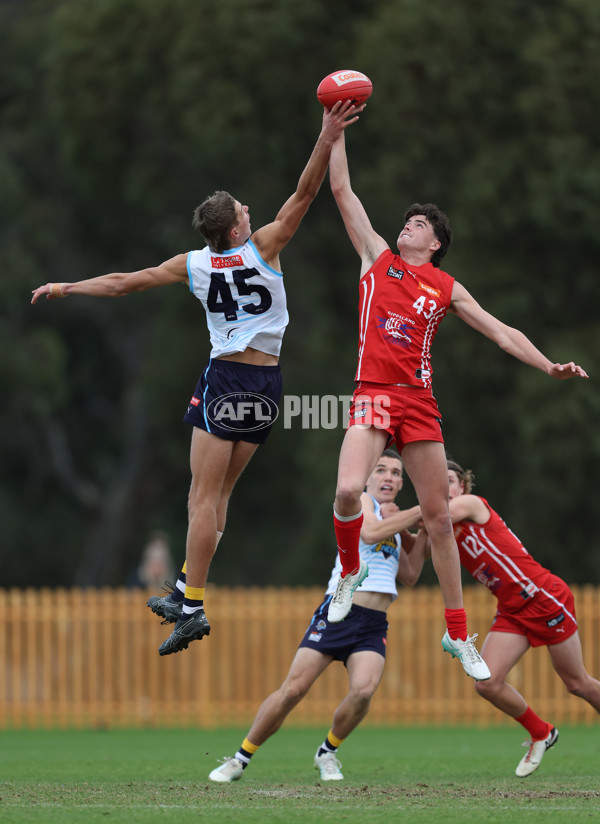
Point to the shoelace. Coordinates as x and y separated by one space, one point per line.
344 585
330 763
471 650
227 761
530 745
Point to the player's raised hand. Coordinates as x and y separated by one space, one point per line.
562 371
342 114
51 290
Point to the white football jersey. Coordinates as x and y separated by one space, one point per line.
382 559
243 297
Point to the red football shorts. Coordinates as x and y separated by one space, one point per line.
408 413
548 619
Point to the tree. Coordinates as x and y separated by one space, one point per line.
141 109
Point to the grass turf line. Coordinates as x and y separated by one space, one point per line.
426 774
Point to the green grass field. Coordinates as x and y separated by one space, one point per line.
453 776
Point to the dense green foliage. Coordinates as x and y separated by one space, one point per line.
118 117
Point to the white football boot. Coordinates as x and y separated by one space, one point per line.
466 652
341 603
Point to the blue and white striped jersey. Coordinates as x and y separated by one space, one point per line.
382 559
244 299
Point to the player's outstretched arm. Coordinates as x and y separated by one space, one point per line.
511 340
118 284
271 239
365 239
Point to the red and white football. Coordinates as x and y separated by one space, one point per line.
344 85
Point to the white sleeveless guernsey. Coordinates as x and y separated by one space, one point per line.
382 559
243 297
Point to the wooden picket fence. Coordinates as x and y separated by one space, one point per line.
87 658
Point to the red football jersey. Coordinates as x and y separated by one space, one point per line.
495 557
400 309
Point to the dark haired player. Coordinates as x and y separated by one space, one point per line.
239 281
403 298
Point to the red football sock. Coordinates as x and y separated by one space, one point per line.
535 726
347 534
456 623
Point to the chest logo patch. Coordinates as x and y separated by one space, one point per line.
395 273
226 262
395 329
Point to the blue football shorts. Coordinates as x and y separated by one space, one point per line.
236 401
362 629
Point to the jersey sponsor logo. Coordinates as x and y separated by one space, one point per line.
395 273
429 289
396 329
242 411
195 401
226 262
346 77
554 622
388 549
315 637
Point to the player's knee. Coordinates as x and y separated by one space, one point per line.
361 697
576 686
487 689
193 501
292 692
199 506
438 525
347 496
